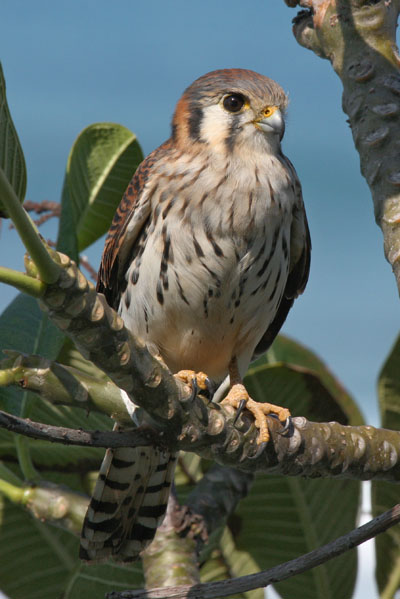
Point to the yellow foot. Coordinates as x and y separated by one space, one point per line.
259 410
196 380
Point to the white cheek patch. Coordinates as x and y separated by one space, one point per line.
215 126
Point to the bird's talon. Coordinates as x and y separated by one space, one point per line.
240 408
287 426
272 415
260 449
211 387
195 388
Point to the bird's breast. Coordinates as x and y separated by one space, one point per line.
211 272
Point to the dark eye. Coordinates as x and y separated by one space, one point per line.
233 102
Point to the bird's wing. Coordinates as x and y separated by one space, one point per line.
129 221
299 267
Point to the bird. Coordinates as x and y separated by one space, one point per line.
204 258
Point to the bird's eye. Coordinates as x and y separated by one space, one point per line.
233 102
269 111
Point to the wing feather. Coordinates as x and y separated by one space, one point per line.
299 267
128 222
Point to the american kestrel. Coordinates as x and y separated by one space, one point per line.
206 253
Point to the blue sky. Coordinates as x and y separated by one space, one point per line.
69 64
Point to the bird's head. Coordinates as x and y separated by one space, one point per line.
231 110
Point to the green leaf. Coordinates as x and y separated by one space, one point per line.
70 356
288 351
40 561
99 168
284 517
389 389
97 580
12 161
25 328
35 558
385 495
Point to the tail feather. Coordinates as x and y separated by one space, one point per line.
128 504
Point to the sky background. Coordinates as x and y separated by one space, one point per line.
69 64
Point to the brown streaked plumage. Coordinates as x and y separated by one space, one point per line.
204 258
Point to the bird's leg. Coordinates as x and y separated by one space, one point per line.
238 394
196 380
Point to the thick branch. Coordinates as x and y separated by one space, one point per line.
274 575
171 559
359 38
309 449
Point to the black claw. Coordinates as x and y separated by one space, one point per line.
242 405
259 451
272 415
287 426
211 388
195 389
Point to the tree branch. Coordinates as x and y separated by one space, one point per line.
274 575
63 385
359 38
68 436
308 449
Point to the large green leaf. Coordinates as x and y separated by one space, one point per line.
99 168
12 161
95 581
25 328
35 558
386 495
288 351
70 356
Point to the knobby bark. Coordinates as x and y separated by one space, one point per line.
359 39
180 422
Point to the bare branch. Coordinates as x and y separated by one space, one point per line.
274 575
68 436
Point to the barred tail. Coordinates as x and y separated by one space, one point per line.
128 503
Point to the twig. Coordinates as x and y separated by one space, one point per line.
278 573
67 436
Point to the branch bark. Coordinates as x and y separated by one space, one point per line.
308 449
359 39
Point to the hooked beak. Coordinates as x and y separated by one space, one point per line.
272 124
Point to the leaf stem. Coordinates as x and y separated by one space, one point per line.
24 459
393 583
47 268
12 492
8 476
22 282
